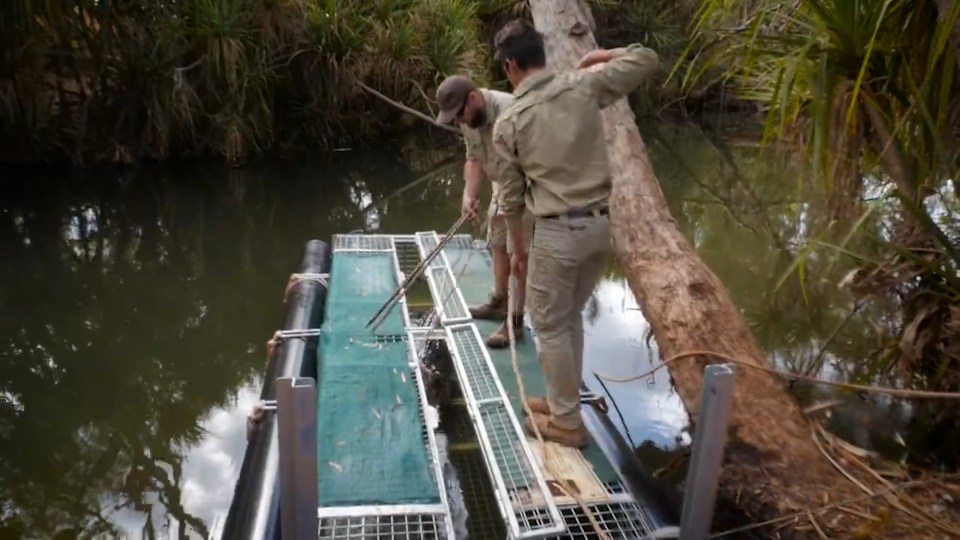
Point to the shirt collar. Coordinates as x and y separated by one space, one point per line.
490 107
534 81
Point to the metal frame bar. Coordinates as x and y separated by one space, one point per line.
382 510
441 264
645 522
400 277
297 437
474 407
430 427
703 472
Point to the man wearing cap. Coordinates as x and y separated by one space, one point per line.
476 110
555 152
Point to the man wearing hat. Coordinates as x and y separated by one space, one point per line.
476 110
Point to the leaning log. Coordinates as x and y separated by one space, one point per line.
772 466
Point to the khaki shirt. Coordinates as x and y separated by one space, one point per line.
479 141
551 142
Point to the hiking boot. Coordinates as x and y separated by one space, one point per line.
574 438
538 405
500 338
494 310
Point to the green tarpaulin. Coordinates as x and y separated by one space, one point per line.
370 435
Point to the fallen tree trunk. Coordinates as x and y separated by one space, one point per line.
772 465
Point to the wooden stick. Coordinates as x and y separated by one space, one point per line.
406 109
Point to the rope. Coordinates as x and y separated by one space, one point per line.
536 429
296 279
927 394
272 344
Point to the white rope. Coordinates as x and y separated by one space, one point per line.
547 462
296 279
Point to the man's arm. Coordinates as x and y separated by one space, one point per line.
472 182
512 180
472 178
624 69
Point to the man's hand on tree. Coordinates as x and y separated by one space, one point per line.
598 56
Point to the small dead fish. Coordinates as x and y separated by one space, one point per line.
340 443
403 378
337 466
399 402
395 371
377 414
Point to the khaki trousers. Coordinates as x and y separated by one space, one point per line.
567 257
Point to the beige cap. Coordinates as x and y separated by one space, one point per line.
451 95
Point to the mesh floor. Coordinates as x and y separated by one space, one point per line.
388 526
474 271
361 282
372 449
370 434
483 516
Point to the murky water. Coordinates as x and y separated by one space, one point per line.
135 307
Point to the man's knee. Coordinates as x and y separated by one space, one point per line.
543 304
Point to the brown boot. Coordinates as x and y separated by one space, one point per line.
494 310
538 405
500 339
575 438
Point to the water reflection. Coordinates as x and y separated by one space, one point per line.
134 309
615 345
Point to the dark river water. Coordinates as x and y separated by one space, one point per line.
135 307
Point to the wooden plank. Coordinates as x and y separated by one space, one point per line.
567 465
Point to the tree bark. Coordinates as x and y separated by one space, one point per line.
772 466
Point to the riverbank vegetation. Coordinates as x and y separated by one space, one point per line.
860 99
104 81
869 90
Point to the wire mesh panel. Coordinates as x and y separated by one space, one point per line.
613 506
412 526
427 242
362 242
517 480
447 297
369 433
617 520
360 283
380 474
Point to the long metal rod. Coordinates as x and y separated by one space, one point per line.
414 274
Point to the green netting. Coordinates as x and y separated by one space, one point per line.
359 284
473 269
370 434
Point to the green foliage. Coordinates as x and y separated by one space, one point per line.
116 81
869 90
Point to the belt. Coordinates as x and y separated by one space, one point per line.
579 213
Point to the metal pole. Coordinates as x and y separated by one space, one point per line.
703 473
297 418
254 512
